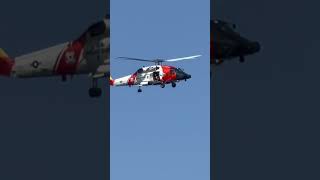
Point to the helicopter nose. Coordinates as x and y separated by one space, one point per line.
249 48
182 76
254 47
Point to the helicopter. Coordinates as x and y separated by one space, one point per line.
155 75
86 54
226 43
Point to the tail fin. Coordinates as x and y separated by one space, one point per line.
3 54
6 64
111 81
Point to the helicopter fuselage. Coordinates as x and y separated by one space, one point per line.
152 75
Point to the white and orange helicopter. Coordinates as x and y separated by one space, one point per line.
87 54
157 74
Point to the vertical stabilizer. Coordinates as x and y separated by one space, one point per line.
6 64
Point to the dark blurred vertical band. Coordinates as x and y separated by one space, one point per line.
215 154
107 119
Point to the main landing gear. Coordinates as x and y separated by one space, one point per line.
163 85
241 59
64 78
95 91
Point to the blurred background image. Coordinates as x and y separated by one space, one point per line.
51 129
264 111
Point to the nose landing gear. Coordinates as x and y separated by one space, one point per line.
64 78
241 59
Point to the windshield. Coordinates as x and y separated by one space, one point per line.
179 70
224 26
227 27
140 70
97 29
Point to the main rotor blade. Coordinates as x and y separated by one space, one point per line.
183 58
135 59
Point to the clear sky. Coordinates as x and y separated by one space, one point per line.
160 133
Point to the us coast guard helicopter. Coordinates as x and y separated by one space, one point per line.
88 54
157 74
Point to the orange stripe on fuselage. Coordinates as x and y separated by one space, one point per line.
132 79
168 75
70 58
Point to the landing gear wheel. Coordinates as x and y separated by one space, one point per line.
139 90
162 85
174 85
241 59
64 78
95 92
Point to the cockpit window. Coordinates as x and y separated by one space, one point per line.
179 70
140 70
97 29
227 27
231 26
224 26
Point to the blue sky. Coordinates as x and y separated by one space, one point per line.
160 133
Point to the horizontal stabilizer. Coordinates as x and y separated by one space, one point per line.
3 54
111 81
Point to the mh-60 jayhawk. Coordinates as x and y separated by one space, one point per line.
157 74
